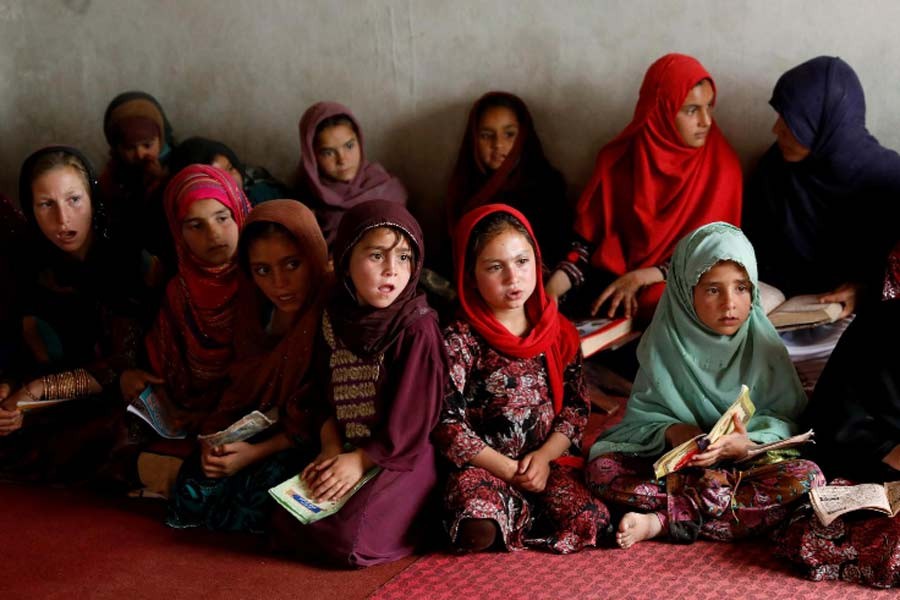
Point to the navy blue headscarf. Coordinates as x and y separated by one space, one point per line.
825 220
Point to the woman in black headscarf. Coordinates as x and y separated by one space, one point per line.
817 207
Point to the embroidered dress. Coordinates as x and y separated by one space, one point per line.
384 372
505 403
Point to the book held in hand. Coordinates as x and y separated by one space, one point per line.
679 456
29 405
797 312
294 495
149 408
601 333
242 429
831 501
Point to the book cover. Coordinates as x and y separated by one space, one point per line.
242 429
293 495
601 333
679 456
149 408
831 501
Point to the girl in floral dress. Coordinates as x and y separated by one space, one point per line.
515 407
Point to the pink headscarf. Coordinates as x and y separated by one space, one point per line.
331 199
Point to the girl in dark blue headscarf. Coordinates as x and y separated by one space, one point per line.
818 207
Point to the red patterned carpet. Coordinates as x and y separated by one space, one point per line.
703 571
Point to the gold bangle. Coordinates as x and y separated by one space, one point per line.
29 394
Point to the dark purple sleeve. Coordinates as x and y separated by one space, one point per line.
412 392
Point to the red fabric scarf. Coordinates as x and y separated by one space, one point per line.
551 333
648 189
191 342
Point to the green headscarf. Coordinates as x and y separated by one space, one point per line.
690 374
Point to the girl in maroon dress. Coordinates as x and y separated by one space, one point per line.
516 405
383 360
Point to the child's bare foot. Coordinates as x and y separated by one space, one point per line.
637 527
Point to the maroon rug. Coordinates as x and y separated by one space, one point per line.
702 571
69 543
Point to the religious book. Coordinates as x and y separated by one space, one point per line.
602 333
149 408
679 456
29 405
796 312
242 429
294 496
831 501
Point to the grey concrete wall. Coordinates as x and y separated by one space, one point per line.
244 72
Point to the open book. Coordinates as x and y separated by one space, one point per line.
27 405
242 429
832 501
599 334
294 496
679 456
149 408
796 312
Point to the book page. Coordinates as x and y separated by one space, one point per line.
893 494
742 407
832 501
804 310
797 440
769 296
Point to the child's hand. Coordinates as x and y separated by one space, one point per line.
332 478
733 446
133 381
226 460
10 419
532 473
310 473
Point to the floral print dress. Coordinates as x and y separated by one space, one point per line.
502 402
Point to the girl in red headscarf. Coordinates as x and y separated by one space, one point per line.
516 405
669 172
190 347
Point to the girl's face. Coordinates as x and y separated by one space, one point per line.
498 128
791 148
723 297
279 270
221 161
62 208
142 152
505 272
694 118
381 264
209 230
338 153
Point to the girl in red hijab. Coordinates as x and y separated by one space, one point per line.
190 347
516 405
669 172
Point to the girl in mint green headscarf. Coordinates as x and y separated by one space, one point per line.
709 335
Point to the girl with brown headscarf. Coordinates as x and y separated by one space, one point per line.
285 261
